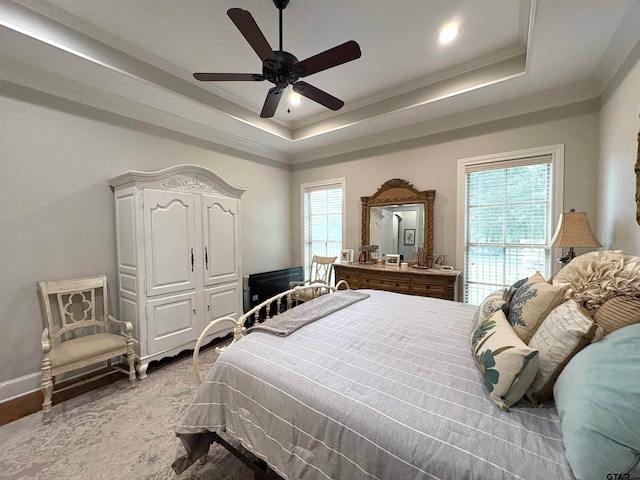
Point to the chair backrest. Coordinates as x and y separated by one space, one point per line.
74 304
321 269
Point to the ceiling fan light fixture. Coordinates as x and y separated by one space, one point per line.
448 33
294 99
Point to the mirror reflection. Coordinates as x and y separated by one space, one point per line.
398 218
397 229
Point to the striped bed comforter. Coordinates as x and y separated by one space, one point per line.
383 389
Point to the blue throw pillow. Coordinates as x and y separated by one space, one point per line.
598 400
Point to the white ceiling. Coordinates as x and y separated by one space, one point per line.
136 59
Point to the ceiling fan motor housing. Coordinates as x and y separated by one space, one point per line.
284 76
281 4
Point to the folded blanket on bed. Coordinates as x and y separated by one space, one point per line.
288 322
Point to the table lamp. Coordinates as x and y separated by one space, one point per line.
573 231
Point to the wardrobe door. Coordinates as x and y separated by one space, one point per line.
221 243
169 239
222 301
172 320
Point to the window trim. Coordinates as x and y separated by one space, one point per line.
342 181
557 171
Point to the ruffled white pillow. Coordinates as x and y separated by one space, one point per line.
595 277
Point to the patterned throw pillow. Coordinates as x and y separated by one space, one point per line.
506 364
514 288
530 305
618 312
493 302
566 330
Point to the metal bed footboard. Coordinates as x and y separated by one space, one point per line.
292 298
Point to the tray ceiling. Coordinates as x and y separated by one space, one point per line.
136 59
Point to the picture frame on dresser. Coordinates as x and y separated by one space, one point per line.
346 255
438 261
392 260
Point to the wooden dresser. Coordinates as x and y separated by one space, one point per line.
411 281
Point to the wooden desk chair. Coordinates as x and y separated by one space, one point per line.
78 332
320 272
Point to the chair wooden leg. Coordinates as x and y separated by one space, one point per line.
47 391
131 361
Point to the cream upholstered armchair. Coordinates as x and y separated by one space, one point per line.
78 332
320 272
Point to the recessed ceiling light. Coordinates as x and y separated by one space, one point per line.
448 33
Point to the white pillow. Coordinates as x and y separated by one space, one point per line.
566 330
595 277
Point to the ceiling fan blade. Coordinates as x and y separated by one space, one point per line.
271 103
329 58
317 95
228 77
252 33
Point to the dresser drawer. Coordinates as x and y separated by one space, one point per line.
390 284
352 279
407 281
428 287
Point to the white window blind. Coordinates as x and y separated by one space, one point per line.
322 220
508 223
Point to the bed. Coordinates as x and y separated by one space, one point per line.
386 387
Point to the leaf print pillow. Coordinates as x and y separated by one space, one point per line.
494 301
530 305
507 365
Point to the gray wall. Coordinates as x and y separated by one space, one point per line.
619 127
430 163
57 219
57 215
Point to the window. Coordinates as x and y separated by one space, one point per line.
323 219
510 205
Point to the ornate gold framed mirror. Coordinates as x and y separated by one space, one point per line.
637 169
399 219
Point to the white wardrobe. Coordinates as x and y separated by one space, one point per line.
179 257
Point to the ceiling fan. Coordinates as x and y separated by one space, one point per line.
282 68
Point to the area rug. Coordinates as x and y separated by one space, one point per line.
115 432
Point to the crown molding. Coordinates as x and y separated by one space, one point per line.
31 77
559 97
439 90
51 32
199 113
62 30
625 38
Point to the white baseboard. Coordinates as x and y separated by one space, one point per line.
18 387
